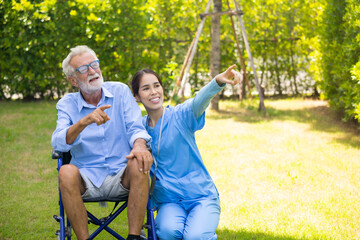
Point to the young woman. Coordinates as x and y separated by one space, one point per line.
187 201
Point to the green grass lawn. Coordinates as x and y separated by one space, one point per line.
293 174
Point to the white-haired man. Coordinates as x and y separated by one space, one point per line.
101 126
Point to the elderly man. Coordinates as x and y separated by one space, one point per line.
101 126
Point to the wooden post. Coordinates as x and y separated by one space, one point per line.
178 80
192 53
261 95
243 67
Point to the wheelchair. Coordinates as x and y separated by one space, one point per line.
65 231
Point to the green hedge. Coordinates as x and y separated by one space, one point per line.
340 51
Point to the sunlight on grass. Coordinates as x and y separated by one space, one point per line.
286 174
292 174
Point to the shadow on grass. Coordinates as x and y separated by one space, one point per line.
320 118
243 234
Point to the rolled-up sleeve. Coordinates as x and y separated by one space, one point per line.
133 118
63 123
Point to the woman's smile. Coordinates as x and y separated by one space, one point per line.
155 100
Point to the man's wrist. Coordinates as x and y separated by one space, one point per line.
140 143
85 121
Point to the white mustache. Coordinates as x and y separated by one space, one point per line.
92 76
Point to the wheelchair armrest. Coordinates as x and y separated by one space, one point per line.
66 156
57 154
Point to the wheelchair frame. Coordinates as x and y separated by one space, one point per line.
65 227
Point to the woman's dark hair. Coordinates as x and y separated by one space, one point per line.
135 82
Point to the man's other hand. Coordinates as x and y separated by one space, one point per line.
142 155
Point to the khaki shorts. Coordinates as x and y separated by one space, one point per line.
111 189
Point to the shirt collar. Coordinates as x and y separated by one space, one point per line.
81 102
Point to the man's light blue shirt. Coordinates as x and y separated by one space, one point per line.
99 151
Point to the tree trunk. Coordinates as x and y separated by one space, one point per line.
293 70
215 49
277 72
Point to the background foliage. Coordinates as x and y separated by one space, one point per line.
299 46
340 48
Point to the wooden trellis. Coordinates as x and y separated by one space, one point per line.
183 77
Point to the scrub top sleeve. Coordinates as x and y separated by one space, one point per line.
186 118
204 96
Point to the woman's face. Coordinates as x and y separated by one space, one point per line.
151 93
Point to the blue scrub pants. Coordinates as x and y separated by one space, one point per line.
188 220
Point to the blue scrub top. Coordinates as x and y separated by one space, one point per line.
181 174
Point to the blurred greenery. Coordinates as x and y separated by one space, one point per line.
299 46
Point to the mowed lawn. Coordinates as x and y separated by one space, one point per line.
293 174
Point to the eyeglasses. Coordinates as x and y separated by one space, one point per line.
85 68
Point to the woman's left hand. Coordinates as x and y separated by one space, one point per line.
228 75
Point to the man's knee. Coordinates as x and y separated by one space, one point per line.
133 178
68 171
69 176
135 173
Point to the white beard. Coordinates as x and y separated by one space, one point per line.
90 88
